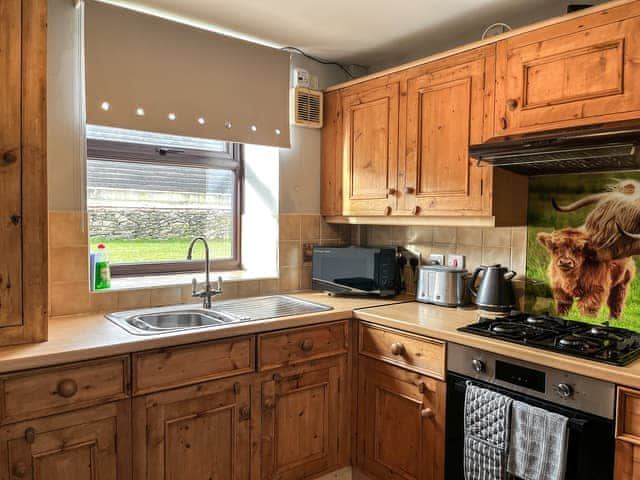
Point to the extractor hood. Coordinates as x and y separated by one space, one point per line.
586 150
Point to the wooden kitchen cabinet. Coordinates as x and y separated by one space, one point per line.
93 444
331 156
303 418
449 107
578 72
627 464
401 422
23 177
370 129
197 432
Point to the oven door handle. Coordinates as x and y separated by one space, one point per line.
575 424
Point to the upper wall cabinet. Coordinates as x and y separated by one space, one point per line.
23 176
370 146
582 71
449 106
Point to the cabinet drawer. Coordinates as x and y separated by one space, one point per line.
43 392
184 365
302 344
628 415
413 352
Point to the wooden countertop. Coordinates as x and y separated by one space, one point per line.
442 323
84 337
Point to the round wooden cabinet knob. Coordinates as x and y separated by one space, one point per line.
306 345
512 103
245 413
67 388
269 404
9 157
427 413
503 123
409 190
397 348
391 191
415 210
387 211
19 469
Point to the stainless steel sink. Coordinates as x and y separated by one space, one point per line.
155 321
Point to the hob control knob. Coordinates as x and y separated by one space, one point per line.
478 365
564 390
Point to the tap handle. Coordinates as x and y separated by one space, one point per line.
220 284
194 286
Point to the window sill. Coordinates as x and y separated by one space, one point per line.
183 279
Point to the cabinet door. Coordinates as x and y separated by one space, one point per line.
584 71
10 172
370 162
23 173
401 417
197 432
331 156
627 461
91 444
301 418
446 111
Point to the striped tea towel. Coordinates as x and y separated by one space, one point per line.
486 434
538 444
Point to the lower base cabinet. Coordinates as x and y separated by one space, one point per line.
401 421
301 418
89 444
199 432
627 461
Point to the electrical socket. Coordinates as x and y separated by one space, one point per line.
456 261
436 259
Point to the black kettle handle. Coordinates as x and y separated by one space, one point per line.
472 286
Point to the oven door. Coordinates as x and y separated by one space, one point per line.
591 439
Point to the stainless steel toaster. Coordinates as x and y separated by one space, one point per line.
445 286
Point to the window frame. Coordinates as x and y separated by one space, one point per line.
229 159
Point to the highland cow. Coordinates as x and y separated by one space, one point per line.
614 223
576 273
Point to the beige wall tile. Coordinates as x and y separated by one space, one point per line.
311 227
268 286
444 249
305 279
290 227
330 231
289 279
166 296
493 255
65 229
290 254
519 259
229 292
472 256
132 299
69 264
444 235
68 298
186 296
418 234
519 237
249 289
104 301
469 236
496 237
379 235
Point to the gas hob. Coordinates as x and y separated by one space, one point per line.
615 346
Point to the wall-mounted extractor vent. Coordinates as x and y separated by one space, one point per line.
306 107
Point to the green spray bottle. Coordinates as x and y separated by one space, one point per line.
102 269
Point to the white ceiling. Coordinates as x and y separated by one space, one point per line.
367 32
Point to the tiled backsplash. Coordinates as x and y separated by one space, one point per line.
69 269
480 246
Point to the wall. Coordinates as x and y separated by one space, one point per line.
296 170
480 246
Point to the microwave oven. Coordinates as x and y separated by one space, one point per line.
355 271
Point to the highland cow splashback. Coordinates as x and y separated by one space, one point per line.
584 246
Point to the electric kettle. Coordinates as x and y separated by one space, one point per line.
495 292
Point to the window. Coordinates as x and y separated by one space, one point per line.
148 195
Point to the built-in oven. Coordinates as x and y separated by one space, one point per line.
589 405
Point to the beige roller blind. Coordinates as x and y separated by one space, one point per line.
147 73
